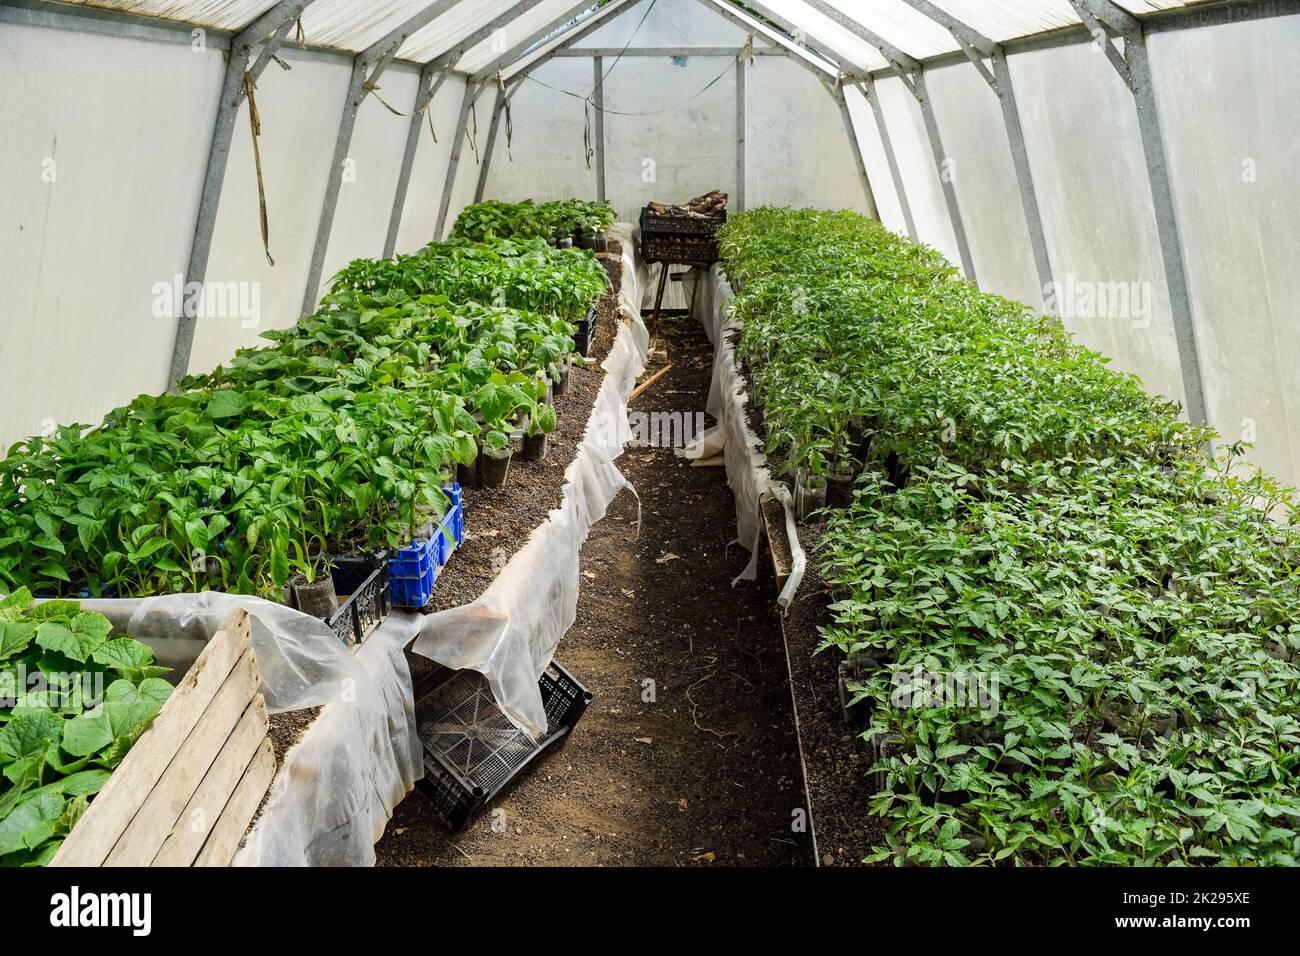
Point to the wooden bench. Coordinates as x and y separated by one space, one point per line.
186 792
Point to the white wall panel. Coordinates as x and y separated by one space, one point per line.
1230 105
103 143
300 111
888 203
1082 135
370 179
787 166
669 137
916 162
430 170
970 121
548 157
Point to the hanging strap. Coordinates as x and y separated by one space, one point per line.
255 124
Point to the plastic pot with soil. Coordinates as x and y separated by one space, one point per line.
562 386
839 487
809 495
494 467
317 598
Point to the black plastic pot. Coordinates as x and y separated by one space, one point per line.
534 447
564 242
494 467
467 475
562 385
839 489
318 599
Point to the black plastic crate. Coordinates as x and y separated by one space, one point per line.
585 334
365 581
472 751
679 249
699 226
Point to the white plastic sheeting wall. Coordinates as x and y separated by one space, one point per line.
1230 105
300 111
548 128
1081 130
969 115
785 165
667 137
429 173
102 167
915 157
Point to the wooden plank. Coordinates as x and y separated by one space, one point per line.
109 814
157 817
200 815
223 842
777 542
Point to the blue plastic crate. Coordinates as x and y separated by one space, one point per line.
455 518
411 573
414 568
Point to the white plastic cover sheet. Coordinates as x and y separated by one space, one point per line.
747 472
511 632
339 784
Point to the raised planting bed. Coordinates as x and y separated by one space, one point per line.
187 790
1067 632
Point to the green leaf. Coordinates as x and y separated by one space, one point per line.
30 823
86 633
227 404
15 637
87 734
123 654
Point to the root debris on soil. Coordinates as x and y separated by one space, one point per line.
687 755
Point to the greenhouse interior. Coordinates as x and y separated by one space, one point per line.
650 433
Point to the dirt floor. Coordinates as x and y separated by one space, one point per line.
687 755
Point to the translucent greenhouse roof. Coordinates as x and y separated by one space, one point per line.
436 27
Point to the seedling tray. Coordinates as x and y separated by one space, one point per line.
472 751
365 581
698 226
414 569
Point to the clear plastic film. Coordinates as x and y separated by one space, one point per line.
339 784
746 464
511 632
301 660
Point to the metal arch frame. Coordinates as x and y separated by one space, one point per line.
843 67
912 73
526 46
474 84
275 24
976 46
374 60
1134 67
512 83
831 67
868 89
432 76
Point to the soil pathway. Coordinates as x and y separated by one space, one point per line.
687 756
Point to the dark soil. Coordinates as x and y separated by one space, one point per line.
498 522
836 759
699 767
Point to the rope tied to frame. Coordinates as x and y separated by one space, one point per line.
255 126
373 90
510 123
473 135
